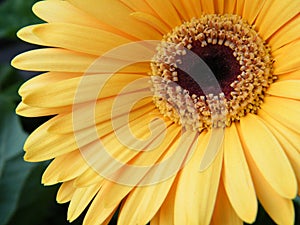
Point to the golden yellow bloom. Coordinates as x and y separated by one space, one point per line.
210 151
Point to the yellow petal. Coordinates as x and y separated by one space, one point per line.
295 75
143 202
219 6
224 213
61 60
80 199
287 58
120 19
136 68
292 137
158 152
177 153
62 11
97 212
196 191
193 7
109 218
27 35
88 178
81 89
286 34
268 21
43 80
237 179
166 213
139 6
289 149
155 220
212 148
152 21
208 6
286 111
119 125
117 118
261 144
166 11
239 8
65 192
112 157
30 111
52 145
179 6
132 161
57 11
51 59
280 209
229 6
251 9
78 38
64 168
102 120
112 193
286 89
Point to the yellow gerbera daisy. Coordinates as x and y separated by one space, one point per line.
215 143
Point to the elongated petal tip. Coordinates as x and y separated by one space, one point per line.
14 62
20 62
213 148
19 109
46 182
263 146
30 158
27 157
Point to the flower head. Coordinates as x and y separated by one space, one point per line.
174 112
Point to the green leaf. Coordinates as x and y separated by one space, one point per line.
13 169
297 209
15 14
14 175
12 136
39 202
5 74
10 81
5 107
264 219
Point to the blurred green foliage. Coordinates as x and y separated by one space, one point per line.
14 15
23 200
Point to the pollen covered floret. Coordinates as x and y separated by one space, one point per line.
211 109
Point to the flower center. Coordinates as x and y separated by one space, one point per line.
222 63
241 70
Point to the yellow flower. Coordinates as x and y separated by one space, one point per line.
214 154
